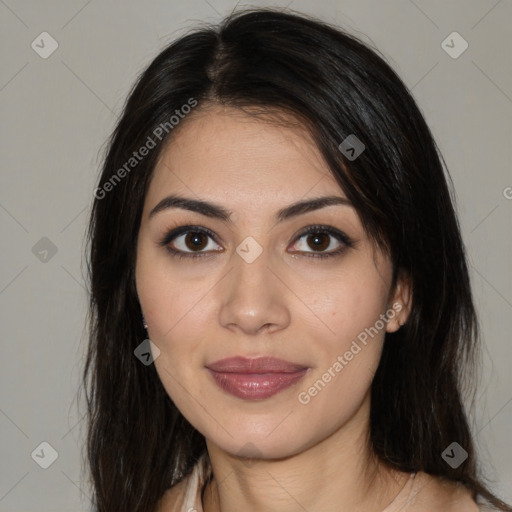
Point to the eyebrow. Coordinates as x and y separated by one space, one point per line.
218 212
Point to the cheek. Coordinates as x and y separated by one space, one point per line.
178 325
350 353
177 322
335 397
353 306
172 301
348 359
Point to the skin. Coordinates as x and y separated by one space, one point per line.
285 304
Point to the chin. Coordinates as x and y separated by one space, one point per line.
261 446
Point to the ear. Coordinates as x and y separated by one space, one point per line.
399 303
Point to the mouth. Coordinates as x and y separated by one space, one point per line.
255 379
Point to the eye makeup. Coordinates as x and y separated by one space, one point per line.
314 232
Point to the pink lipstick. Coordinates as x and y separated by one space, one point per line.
255 379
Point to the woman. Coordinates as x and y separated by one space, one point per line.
274 216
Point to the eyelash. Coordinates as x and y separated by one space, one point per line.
316 229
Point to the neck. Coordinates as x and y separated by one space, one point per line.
338 474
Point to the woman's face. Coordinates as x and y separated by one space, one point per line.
255 287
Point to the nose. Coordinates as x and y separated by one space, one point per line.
253 298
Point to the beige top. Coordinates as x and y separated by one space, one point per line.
185 496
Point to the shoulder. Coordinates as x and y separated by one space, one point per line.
431 493
185 495
173 498
482 507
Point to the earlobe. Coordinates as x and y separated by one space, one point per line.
396 321
402 302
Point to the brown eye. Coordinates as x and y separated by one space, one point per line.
318 242
195 240
322 242
190 242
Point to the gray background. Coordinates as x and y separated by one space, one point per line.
56 115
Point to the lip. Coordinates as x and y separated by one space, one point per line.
241 364
255 379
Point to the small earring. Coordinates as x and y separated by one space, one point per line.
144 322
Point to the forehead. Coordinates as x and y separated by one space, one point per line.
226 152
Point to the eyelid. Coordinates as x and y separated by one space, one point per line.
175 232
321 228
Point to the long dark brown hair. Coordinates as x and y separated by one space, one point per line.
138 443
